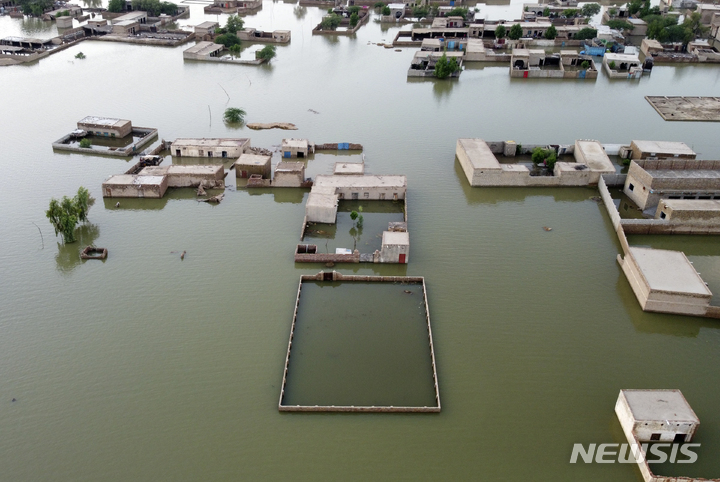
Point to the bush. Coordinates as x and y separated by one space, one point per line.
500 31
228 40
80 55
386 10
64 215
155 7
233 115
235 50
116 6
612 64
354 19
378 5
266 53
586 34
619 24
354 9
85 143
458 12
515 32
420 11
548 157
331 22
570 13
444 68
585 65
551 32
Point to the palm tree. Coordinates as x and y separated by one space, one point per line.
233 115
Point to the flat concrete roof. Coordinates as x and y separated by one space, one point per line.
395 238
204 48
299 143
622 57
667 270
684 173
652 43
659 405
664 147
133 16
130 179
479 154
475 45
207 25
103 121
595 156
322 200
289 167
349 168
252 160
692 204
179 169
360 182
209 142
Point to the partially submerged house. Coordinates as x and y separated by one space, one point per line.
153 181
536 63
665 281
209 147
649 181
295 148
660 150
105 126
622 66
289 174
204 51
255 35
424 62
656 416
482 168
249 164
206 28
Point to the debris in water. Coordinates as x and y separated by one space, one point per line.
273 125
214 199
117 204
408 292
547 229
597 199
182 256
14 400
201 190
329 264
398 50
313 111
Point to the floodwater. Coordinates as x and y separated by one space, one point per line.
148 367
349 351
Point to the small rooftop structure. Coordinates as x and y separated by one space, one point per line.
697 211
105 126
209 147
129 185
180 175
395 247
289 174
665 281
294 148
206 28
622 66
657 415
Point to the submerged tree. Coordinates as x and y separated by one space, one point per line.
116 6
235 50
445 67
354 19
85 143
331 22
80 55
233 115
65 214
266 53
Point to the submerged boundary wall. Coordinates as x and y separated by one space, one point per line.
335 276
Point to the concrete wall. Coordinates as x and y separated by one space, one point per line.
288 179
135 190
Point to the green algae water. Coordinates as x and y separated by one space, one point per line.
147 367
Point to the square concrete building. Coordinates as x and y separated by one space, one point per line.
249 164
289 174
128 185
395 247
656 415
295 148
105 126
661 149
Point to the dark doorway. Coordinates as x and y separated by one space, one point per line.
177 152
679 438
328 276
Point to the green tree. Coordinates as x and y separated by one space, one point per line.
116 6
234 115
586 34
378 5
619 24
330 22
354 19
85 143
386 10
235 50
500 31
515 32
585 65
354 9
228 40
551 32
80 55
459 12
266 53
445 67
420 11
65 214
590 9
693 23
546 12
634 6
612 65
570 12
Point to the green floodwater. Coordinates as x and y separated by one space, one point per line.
360 344
148 367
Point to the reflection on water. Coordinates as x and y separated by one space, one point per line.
300 12
68 255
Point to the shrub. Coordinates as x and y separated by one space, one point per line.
378 5
235 50
386 10
116 6
585 65
80 55
354 9
420 11
85 143
570 12
612 64
619 24
515 32
548 157
500 31
590 9
458 12
546 12
586 34
354 19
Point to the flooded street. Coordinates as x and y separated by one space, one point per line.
147 367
